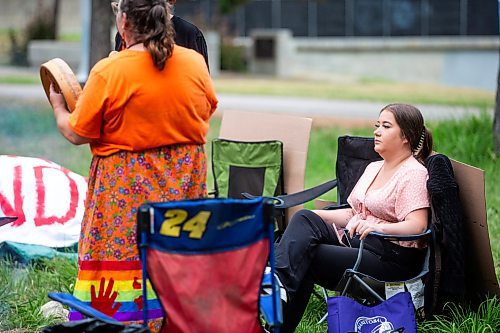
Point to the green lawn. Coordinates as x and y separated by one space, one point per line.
29 130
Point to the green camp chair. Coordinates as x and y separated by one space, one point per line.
248 167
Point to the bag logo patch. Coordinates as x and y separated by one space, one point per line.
378 324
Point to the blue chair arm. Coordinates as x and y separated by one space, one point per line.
82 307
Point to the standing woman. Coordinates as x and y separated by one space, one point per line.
145 114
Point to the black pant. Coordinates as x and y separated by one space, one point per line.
309 253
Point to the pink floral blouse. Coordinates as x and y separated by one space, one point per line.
404 193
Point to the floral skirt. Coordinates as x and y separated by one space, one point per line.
109 270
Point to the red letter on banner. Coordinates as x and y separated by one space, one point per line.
40 218
17 210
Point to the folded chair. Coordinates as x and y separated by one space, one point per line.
205 260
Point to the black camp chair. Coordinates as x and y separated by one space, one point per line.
354 154
249 167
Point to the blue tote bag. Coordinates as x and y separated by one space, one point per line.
393 315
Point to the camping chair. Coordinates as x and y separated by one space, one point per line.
446 219
249 167
292 131
205 260
354 154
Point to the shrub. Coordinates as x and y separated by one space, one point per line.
233 58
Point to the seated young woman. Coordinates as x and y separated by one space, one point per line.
390 197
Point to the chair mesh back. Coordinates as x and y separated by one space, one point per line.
252 167
205 259
353 155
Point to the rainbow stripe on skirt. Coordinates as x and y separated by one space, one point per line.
115 289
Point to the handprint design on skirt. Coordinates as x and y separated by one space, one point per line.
138 301
104 301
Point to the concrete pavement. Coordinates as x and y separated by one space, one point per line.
322 108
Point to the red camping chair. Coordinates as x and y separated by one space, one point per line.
205 260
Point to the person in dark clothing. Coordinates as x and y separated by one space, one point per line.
390 197
186 35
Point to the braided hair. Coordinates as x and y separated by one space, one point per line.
149 23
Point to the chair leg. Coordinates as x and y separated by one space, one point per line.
368 288
325 297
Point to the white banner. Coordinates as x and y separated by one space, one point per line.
46 198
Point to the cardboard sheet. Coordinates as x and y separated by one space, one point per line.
480 271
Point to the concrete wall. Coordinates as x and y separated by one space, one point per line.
40 51
454 61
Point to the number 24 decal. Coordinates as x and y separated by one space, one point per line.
176 220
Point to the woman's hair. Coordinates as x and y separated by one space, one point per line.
149 23
411 122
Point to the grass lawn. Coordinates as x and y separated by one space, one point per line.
29 130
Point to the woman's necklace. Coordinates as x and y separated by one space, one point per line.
132 45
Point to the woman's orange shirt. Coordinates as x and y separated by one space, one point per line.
128 104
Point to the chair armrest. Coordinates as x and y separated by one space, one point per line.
387 237
73 302
298 198
400 237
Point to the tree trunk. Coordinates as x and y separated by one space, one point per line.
496 120
100 41
55 15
